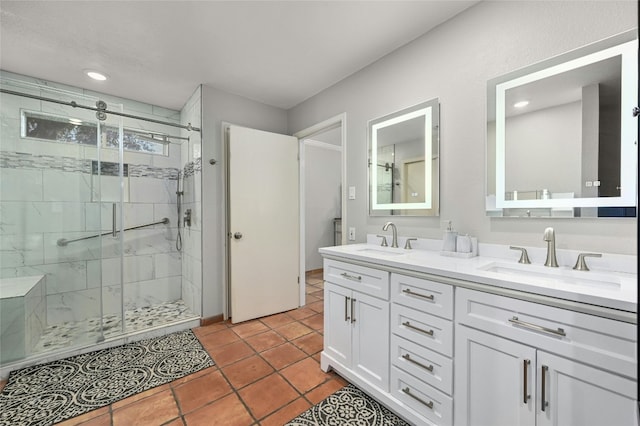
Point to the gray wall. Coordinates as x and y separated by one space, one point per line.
453 62
219 107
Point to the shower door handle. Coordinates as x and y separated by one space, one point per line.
237 235
114 226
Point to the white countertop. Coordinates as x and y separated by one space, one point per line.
602 287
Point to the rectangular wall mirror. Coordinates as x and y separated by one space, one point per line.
561 135
404 162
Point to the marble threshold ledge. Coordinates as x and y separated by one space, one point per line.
608 289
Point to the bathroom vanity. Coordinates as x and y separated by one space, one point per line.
482 341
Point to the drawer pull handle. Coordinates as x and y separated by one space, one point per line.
351 277
525 390
420 400
429 297
346 307
413 327
429 368
543 397
558 332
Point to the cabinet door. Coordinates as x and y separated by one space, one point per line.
577 394
337 323
371 339
494 380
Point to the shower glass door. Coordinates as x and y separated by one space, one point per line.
61 284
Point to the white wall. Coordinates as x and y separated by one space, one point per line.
323 176
453 62
219 107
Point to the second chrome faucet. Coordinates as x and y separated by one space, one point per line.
550 237
394 242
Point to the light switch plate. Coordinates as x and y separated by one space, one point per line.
352 192
352 234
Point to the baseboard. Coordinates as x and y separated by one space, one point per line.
211 320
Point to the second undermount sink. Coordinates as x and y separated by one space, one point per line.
562 275
383 251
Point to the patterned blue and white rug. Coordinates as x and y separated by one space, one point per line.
49 393
348 407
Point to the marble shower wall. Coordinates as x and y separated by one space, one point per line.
48 192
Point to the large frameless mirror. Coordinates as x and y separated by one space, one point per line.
561 136
404 162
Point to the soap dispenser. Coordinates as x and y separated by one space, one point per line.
449 239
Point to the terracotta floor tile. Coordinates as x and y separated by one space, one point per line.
176 422
305 375
228 411
283 355
246 371
324 390
195 375
277 320
286 413
267 395
3 383
267 340
310 343
228 354
316 306
313 279
310 300
156 409
249 328
91 415
208 329
300 313
293 330
218 338
316 322
317 357
318 293
103 420
198 392
140 396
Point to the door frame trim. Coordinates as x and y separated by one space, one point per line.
339 120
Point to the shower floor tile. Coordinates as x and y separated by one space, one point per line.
71 334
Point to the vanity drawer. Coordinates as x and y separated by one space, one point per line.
427 366
427 401
424 295
426 330
366 280
601 342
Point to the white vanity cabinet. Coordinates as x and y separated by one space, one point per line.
356 328
521 363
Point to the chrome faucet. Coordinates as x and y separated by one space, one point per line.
394 242
550 238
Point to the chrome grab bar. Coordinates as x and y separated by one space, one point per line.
408 291
429 368
62 242
417 398
558 332
413 327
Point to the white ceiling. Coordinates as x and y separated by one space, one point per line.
276 52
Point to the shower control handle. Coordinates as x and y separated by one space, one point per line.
237 235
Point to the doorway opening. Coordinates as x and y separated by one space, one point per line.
322 195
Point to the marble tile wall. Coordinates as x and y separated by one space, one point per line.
47 193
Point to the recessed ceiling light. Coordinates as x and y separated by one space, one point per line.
95 75
521 104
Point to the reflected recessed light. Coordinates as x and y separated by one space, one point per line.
95 75
521 104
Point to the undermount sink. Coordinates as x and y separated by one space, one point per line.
562 275
384 251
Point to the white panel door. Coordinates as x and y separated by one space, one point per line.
576 394
263 223
494 380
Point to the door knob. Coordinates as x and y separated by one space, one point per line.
237 235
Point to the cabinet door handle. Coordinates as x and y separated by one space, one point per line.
413 327
429 368
428 297
346 307
543 397
558 332
351 277
417 398
525 389
353 310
